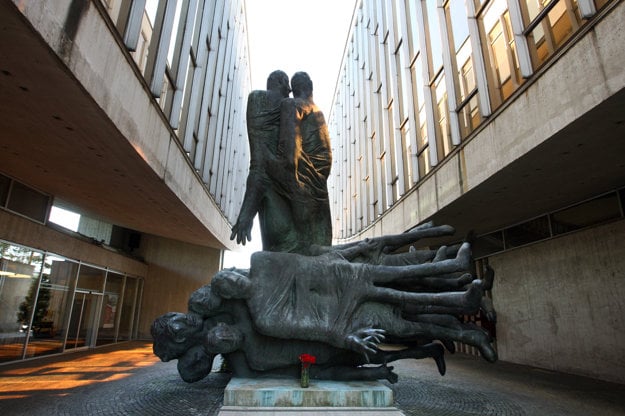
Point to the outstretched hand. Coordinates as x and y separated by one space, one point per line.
242 231
365 340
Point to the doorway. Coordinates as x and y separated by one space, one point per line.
82 327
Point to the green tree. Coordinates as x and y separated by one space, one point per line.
43 302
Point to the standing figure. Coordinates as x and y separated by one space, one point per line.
304 163
263 130
290 163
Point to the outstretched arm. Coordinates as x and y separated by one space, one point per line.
372 250
242 229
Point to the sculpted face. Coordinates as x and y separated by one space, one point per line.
230 284
302 85
172 334
279 81
223 339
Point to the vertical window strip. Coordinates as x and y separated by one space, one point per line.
220 139
522 47
427 92
407 95
188 129
448 68
132 31
159 46
216 66
587 8
397 163
182 60
209 45
478 61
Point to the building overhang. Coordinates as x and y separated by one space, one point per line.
56 137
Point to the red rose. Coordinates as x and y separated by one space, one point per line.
307 359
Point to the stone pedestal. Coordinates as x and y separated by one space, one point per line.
284 396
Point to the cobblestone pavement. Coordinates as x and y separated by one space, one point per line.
127 379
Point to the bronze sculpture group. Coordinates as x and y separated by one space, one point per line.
342 304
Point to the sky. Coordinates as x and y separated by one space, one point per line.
294 35
299 35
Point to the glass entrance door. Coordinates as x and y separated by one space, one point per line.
82 323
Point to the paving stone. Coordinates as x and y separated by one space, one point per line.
129 380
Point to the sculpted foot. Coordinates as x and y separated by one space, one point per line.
473 296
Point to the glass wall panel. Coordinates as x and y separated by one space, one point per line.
436 50
137 313
28 202
53 306
488 244
419 99
111 305
551 22
442 117
500 51
585 214
530 231
86 307
128 306
4 189
20 269
467 95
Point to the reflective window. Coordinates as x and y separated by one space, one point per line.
49 304
128 309
503 68
5 183
467 95
85 307
49 328
28 202
20 269
551 23
442 116
528 232
436 51
488 244
418 85
585 214
413 27
111 306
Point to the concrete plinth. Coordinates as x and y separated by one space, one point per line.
283 396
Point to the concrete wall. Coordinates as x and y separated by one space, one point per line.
560 303
98 63
175 269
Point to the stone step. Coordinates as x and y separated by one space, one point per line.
309 411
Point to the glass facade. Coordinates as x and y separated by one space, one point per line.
419 77
51 304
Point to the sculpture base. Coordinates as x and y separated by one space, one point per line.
283 396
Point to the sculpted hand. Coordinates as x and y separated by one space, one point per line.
365 340
242 230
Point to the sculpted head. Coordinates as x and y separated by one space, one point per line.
302 85
232 284
223 339
204 301
195 364
173 334
279 81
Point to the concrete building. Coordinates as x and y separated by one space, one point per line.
505 117
127 115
